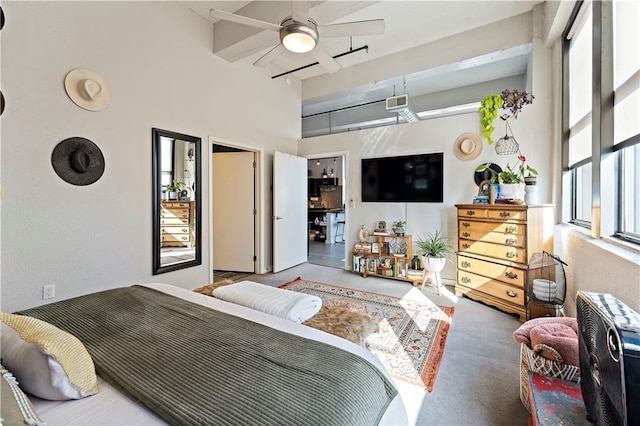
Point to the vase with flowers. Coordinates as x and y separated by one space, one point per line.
510 100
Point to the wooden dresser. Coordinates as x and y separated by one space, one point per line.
175 218
495 244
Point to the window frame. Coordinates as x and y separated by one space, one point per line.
606 158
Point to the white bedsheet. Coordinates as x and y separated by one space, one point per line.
111 407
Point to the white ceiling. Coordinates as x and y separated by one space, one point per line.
408 24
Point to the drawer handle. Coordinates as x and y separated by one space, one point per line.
466 246
511 293
466 224
184 238
511 275
465 280
510 241
470 213
466 234
465 264
511 254
505 214
185 230
511 230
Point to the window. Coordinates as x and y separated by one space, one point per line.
601 153
579 109
626 110
166 156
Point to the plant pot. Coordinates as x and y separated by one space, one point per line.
433 264
173 195
398 230
531 180
509 190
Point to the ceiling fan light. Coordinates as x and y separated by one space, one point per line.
298 38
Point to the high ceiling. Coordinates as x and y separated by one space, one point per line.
407 24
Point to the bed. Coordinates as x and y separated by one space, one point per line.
114 404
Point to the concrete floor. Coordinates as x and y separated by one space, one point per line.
478 379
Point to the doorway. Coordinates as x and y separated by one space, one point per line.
233 212
327 195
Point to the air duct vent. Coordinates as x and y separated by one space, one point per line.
397 102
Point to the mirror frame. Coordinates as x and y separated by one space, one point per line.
156 187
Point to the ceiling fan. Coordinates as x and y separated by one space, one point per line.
300 34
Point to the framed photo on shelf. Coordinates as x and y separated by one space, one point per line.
381 226
375 248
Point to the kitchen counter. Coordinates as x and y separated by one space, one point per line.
323 210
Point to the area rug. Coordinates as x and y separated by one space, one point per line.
412 330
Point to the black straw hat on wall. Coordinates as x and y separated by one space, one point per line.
78 161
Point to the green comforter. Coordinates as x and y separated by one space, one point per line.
193 365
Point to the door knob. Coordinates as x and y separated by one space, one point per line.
276 217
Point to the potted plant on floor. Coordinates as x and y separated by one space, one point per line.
435 251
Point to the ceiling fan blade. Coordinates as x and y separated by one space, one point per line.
326 60
227 16
300 11
270 56
355 28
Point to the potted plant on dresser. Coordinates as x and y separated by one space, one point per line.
435 251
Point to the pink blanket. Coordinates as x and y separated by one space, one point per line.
560 334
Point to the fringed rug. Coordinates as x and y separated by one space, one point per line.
412 330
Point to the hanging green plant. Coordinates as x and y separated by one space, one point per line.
489 111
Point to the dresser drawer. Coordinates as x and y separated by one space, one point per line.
511 254
174 221
473 212
175 230
184 213
507 274
491 287
507 214
493 237
505 228
176 204
178 238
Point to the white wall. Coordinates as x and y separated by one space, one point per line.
157 60
597 266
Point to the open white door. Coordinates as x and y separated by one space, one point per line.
233 211
289 211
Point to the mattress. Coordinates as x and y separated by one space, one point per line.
111 407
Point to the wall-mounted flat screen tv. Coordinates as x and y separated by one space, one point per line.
410 178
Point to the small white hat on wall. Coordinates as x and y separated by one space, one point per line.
468 146
87 89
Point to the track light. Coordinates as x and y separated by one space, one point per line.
408 114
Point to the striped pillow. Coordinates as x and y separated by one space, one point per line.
15 407
48 362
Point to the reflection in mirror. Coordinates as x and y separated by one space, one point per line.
176 201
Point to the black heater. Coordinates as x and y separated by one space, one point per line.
609 342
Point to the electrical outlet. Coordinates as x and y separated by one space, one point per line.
48 291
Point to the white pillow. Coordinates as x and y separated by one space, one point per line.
47 362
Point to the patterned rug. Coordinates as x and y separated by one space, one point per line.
412 330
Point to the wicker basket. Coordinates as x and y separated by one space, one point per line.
531 361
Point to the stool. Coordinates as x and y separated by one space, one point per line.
339 232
